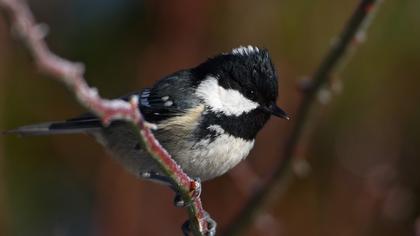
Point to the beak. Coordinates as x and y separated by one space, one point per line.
273 109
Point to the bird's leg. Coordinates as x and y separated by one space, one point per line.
211 226
165 180
158 178
179 202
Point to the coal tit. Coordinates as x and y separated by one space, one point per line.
207 116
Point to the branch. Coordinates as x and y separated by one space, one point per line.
71 74
351 35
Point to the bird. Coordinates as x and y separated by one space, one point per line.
207 117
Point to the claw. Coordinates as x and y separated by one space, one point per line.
196 188
195 193
186 228
179 202
211 226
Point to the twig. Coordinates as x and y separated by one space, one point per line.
71 74
280 179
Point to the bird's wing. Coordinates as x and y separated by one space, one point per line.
171 96
165 100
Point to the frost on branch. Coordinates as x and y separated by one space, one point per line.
71 74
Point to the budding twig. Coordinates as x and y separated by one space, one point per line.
71 74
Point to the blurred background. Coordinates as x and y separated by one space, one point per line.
357 170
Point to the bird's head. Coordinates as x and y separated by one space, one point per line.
239 82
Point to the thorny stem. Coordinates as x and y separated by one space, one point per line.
71 74
282 175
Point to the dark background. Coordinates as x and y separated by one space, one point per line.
358 169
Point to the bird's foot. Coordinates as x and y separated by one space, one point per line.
195 189
211 226
195 192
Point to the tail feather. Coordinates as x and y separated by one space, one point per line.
63 127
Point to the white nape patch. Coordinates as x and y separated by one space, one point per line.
228 101
245 51
165 98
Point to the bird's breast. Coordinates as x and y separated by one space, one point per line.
213 156
203 148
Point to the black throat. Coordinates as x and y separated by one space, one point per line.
245 126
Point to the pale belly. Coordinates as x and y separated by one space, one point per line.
205 159
209 159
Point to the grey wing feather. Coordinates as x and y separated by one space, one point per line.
171 96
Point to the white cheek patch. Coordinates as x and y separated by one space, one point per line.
228 101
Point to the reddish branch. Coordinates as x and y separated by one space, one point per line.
351 35
71 74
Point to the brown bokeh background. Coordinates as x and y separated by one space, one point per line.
358 173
